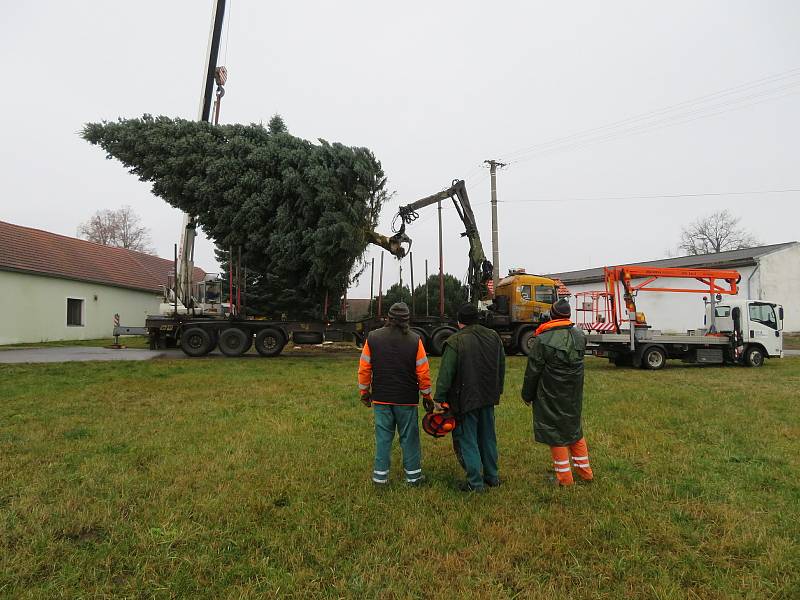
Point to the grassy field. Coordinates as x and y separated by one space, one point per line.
249 478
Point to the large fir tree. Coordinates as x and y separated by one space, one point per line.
302 213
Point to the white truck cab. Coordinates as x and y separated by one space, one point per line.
757 325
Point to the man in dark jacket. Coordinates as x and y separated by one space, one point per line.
554 385
392 371
470 380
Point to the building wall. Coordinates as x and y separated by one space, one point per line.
33 308
778 280
668 311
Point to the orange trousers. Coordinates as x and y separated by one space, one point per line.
580 459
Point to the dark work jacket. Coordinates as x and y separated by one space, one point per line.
472 370
554 383
394 368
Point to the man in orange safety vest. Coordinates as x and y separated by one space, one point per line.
392 372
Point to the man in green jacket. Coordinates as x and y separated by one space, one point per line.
554 385
470 380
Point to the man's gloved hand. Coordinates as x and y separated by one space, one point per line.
365 399
427 403
439 408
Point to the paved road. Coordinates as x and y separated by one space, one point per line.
84 354
73 354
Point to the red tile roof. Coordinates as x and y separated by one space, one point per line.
44 253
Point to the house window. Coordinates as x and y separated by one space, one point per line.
74 312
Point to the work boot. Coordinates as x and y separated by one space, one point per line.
419 481
465 486
553 480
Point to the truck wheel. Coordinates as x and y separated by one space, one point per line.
196 341
359 340
234 342
753 357
438 340
424 337
270 342
654 358
526 341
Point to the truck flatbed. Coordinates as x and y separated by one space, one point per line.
625 338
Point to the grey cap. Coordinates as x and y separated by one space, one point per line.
561 309
468 314
399 312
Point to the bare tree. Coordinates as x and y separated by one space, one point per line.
121 228
717 232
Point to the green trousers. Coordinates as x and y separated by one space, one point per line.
403 419
475 444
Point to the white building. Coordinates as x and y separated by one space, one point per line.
54 287
769 273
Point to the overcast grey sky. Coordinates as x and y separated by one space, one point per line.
434 88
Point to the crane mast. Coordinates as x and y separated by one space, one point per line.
183 285
480 269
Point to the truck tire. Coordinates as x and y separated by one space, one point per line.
526 341
753 356
234 342
438 340
424 337
196 341
270 342
654 358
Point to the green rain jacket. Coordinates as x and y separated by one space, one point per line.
554 383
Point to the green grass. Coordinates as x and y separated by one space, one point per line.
250 478
131 341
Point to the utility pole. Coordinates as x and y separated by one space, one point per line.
441 265
411 264
380 290
371 286
427 295
493 164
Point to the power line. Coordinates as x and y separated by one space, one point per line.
673 120
609 128
651 196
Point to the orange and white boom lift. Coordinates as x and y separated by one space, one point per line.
737 330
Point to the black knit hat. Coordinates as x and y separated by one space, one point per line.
561 309
399 312
468 314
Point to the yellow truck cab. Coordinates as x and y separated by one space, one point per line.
519 303
529 296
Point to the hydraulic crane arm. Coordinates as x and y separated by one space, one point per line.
715 281
480 269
